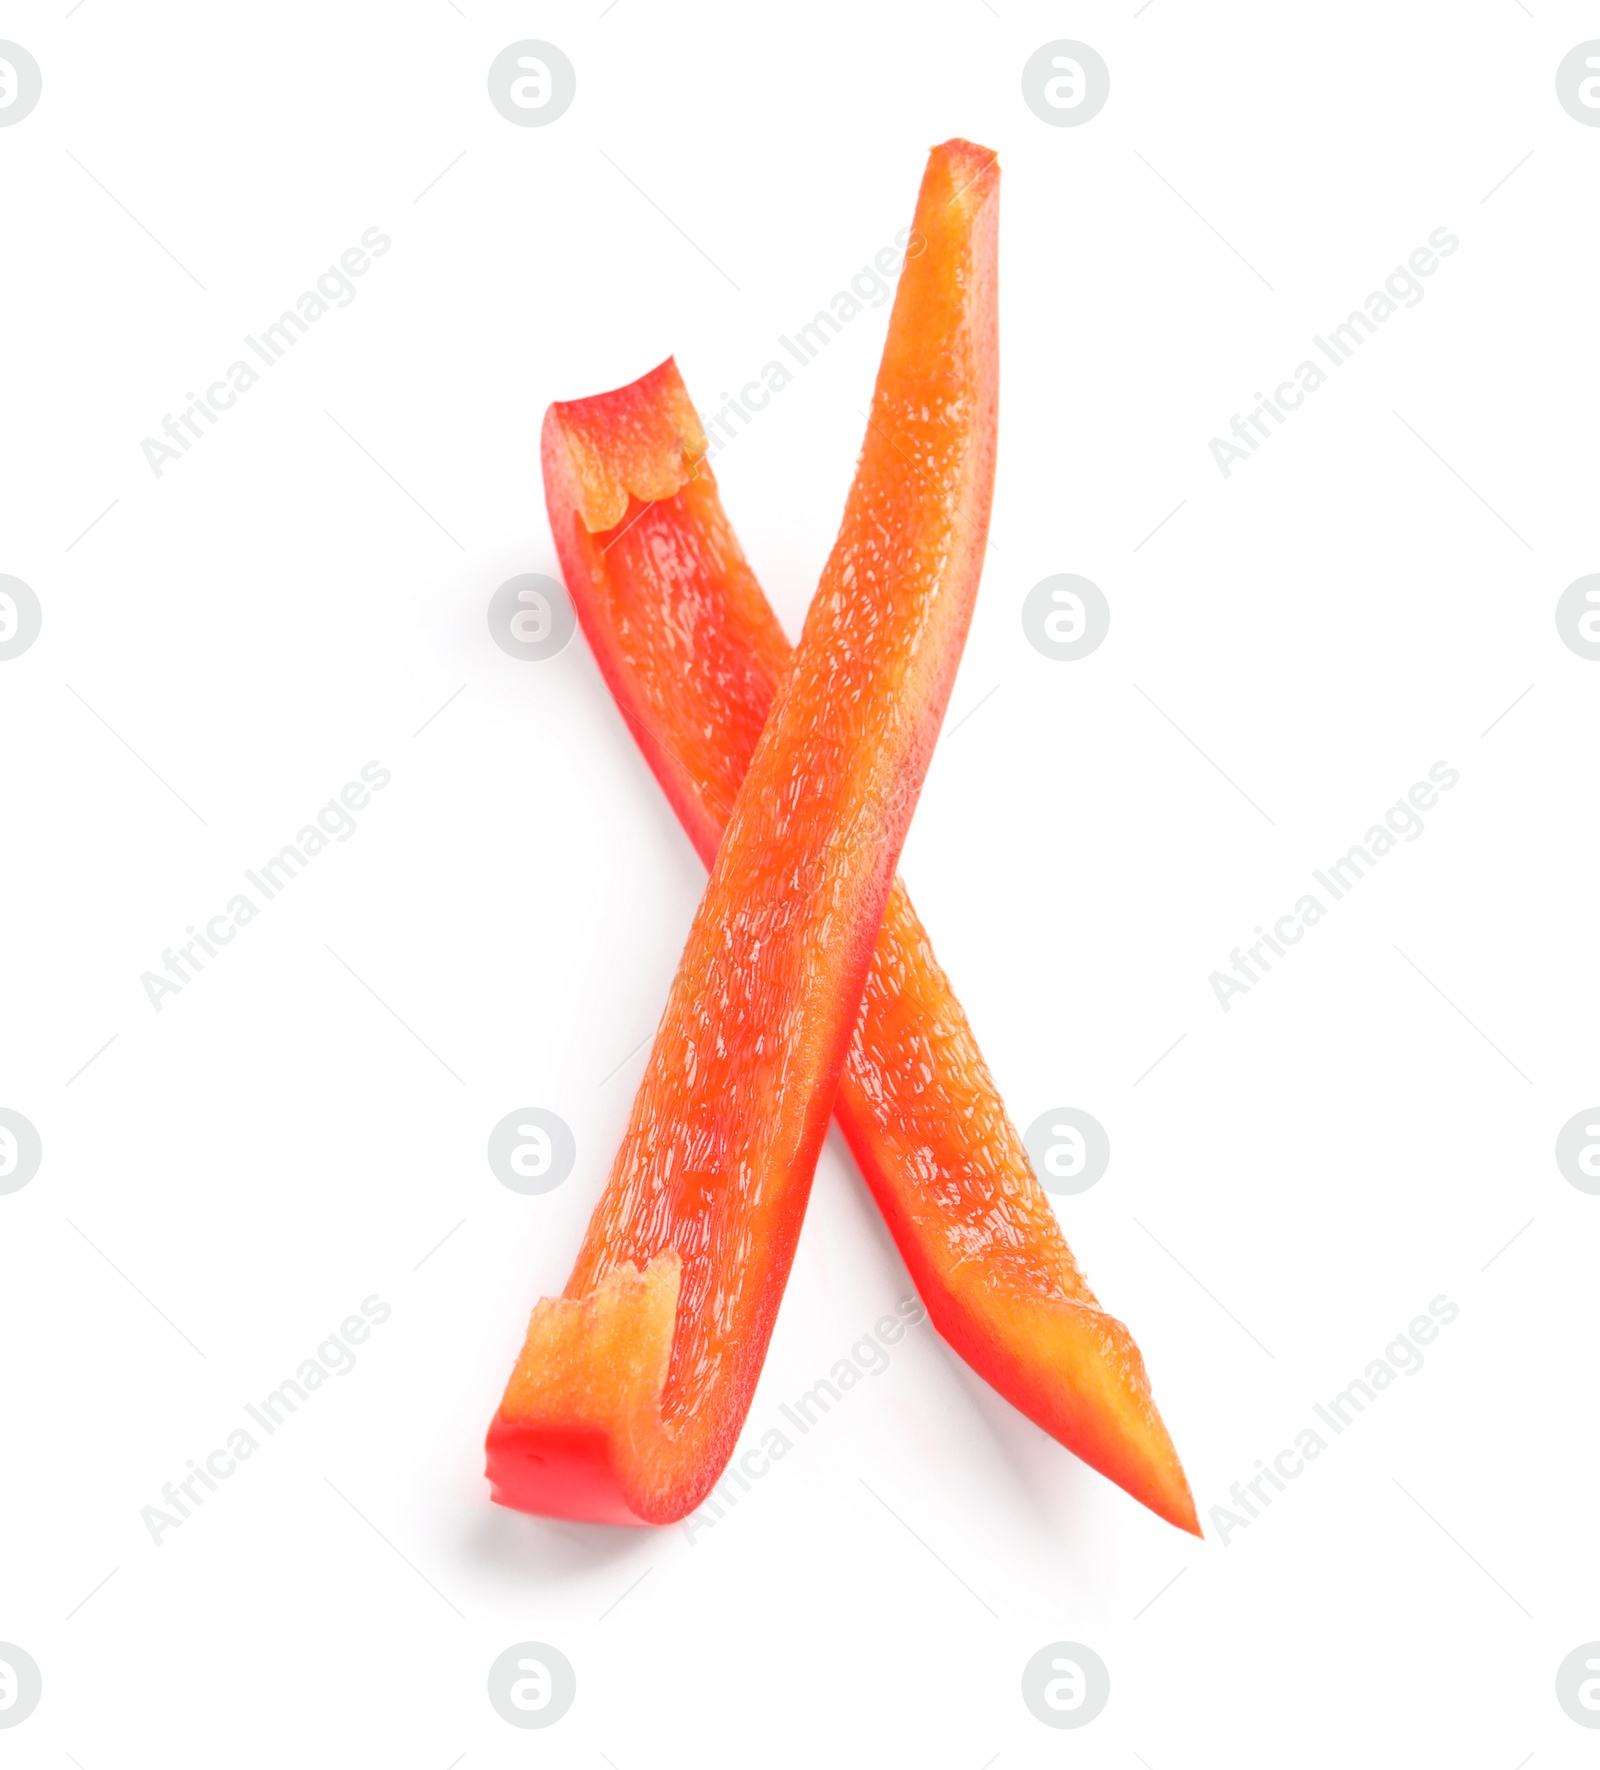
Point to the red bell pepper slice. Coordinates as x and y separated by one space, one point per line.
627 1400
693 654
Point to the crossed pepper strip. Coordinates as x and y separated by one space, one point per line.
807 984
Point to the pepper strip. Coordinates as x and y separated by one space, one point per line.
693 655
627 1400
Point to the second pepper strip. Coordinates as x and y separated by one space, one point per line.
693 655
627 1399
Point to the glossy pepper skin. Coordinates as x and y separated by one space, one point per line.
693 654
627 1400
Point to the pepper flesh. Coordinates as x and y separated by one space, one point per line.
693 655
626 1402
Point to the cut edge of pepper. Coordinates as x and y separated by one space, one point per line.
642 440
562 1444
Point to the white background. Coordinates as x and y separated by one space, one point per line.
1288 654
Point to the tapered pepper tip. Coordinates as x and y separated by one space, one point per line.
1139 1455
644 439
1076 1372
1152 1473
1178 1502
